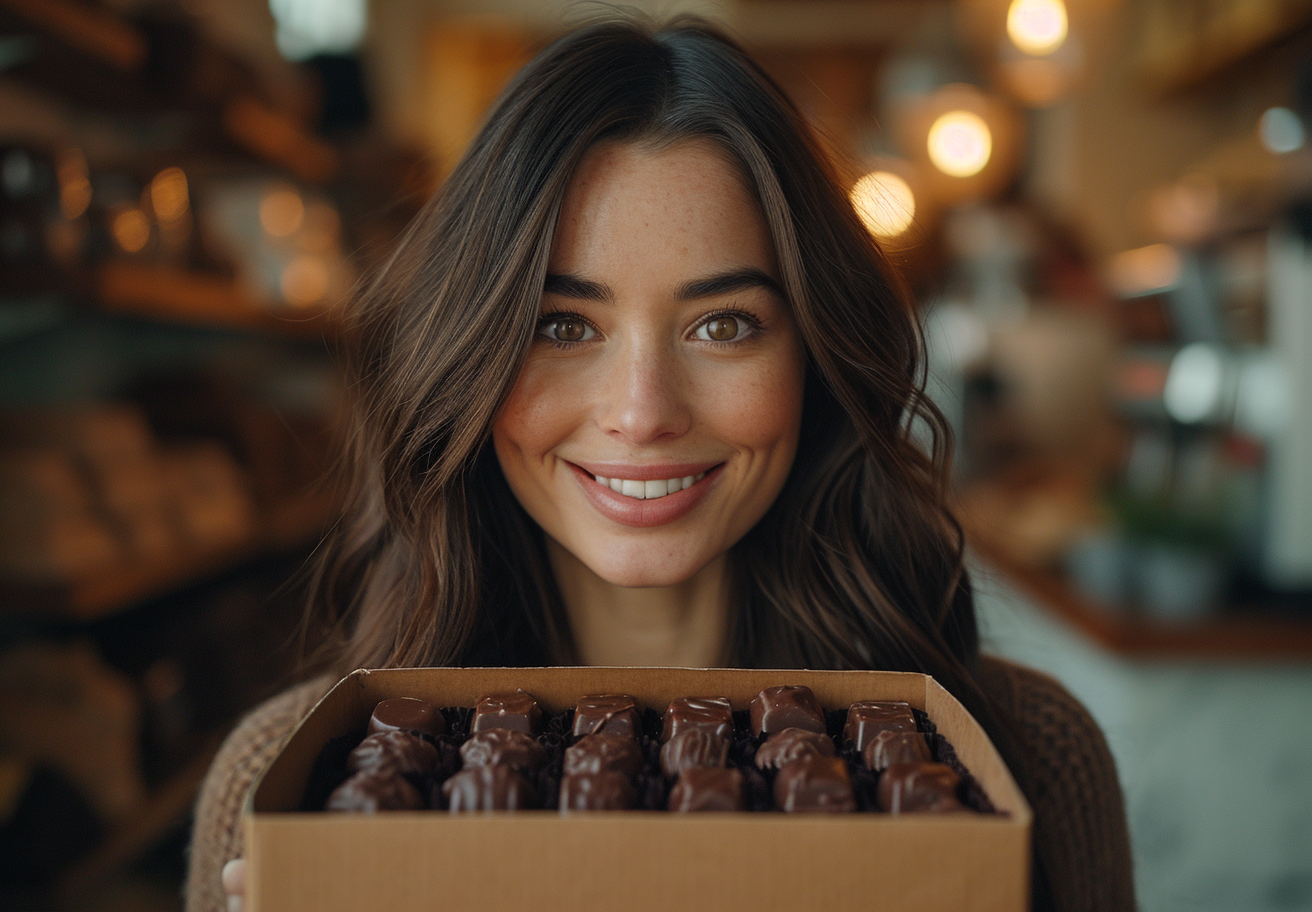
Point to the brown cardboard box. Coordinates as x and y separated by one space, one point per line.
643 860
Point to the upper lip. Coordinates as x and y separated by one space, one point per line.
648 472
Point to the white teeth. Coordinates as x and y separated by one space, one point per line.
648 490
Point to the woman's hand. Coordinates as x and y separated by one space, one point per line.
234 883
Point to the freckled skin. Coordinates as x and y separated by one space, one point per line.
646 389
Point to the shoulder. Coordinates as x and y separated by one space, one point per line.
1080 829
216 832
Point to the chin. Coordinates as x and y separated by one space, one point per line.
643 573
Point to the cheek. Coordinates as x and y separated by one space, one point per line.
757 406
533 418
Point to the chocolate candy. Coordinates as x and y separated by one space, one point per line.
400 751
703 788
712 713
373 791
814 784
792 744
611 714
503 746
919 787
603 754
517 710
889 747
487 788
406 714
786 706
866 718
693 747
605 791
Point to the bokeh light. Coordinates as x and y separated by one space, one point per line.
131 230
1145 270
281 212
1037 27
304 281
885 203
168 195
1281 131
960 143
1194 383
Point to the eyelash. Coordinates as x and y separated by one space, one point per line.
753 323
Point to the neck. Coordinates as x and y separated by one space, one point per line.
686 625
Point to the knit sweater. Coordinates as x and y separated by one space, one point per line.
1079 814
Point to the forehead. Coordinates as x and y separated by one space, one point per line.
687 206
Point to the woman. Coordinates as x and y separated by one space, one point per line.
637 388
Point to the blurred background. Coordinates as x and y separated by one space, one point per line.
1103 207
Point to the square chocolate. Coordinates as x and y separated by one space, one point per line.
707 788
919 787
611 714
487 788
504 746
693 747
603 754
792 744
866 718
889 747
786 706
406 714
607 791
814 784
517 710
711 713
379 789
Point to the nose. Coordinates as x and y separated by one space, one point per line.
644 399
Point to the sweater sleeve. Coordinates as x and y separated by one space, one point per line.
1080 829
216 836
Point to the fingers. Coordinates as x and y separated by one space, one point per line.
234 883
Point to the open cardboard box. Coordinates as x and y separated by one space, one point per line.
630 861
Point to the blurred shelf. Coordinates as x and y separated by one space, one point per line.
1233 637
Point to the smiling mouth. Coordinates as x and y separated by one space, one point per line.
648 490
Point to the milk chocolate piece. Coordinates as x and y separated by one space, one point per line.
487 788
603 753
906 788
889 747
400 751
865 719
711 713
704 788
517 710
504 746
792 744
373 791
611 714
786 706
693 747
814 784
606 791
406 714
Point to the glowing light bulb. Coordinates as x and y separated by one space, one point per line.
885 203
960 143
131 229
168 194
1037 27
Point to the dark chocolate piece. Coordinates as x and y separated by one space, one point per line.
606 791
487 788
889 747
610 714
706 788
603 753
712 713
814 784
906 788
503 746
373 791
517 710
406 714
400 751
792 744
786 706
693 747
865 719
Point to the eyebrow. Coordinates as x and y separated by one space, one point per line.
572 286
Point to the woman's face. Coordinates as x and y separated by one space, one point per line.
657 415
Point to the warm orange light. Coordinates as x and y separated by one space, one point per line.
131 229
168 195
1037 27
74 184
885 203
960 143
282 212
1145 270
304 281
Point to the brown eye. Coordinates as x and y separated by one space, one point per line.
566 329
722 329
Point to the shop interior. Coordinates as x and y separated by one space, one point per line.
1103 209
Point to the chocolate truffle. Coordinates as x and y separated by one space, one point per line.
712 713
693 747
867 718
517 710
607 791
786 706
889 747
400 751
406 714
792 744
603 754
814 784
503 746
919 787
487 788
703 788
610 714
373 791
